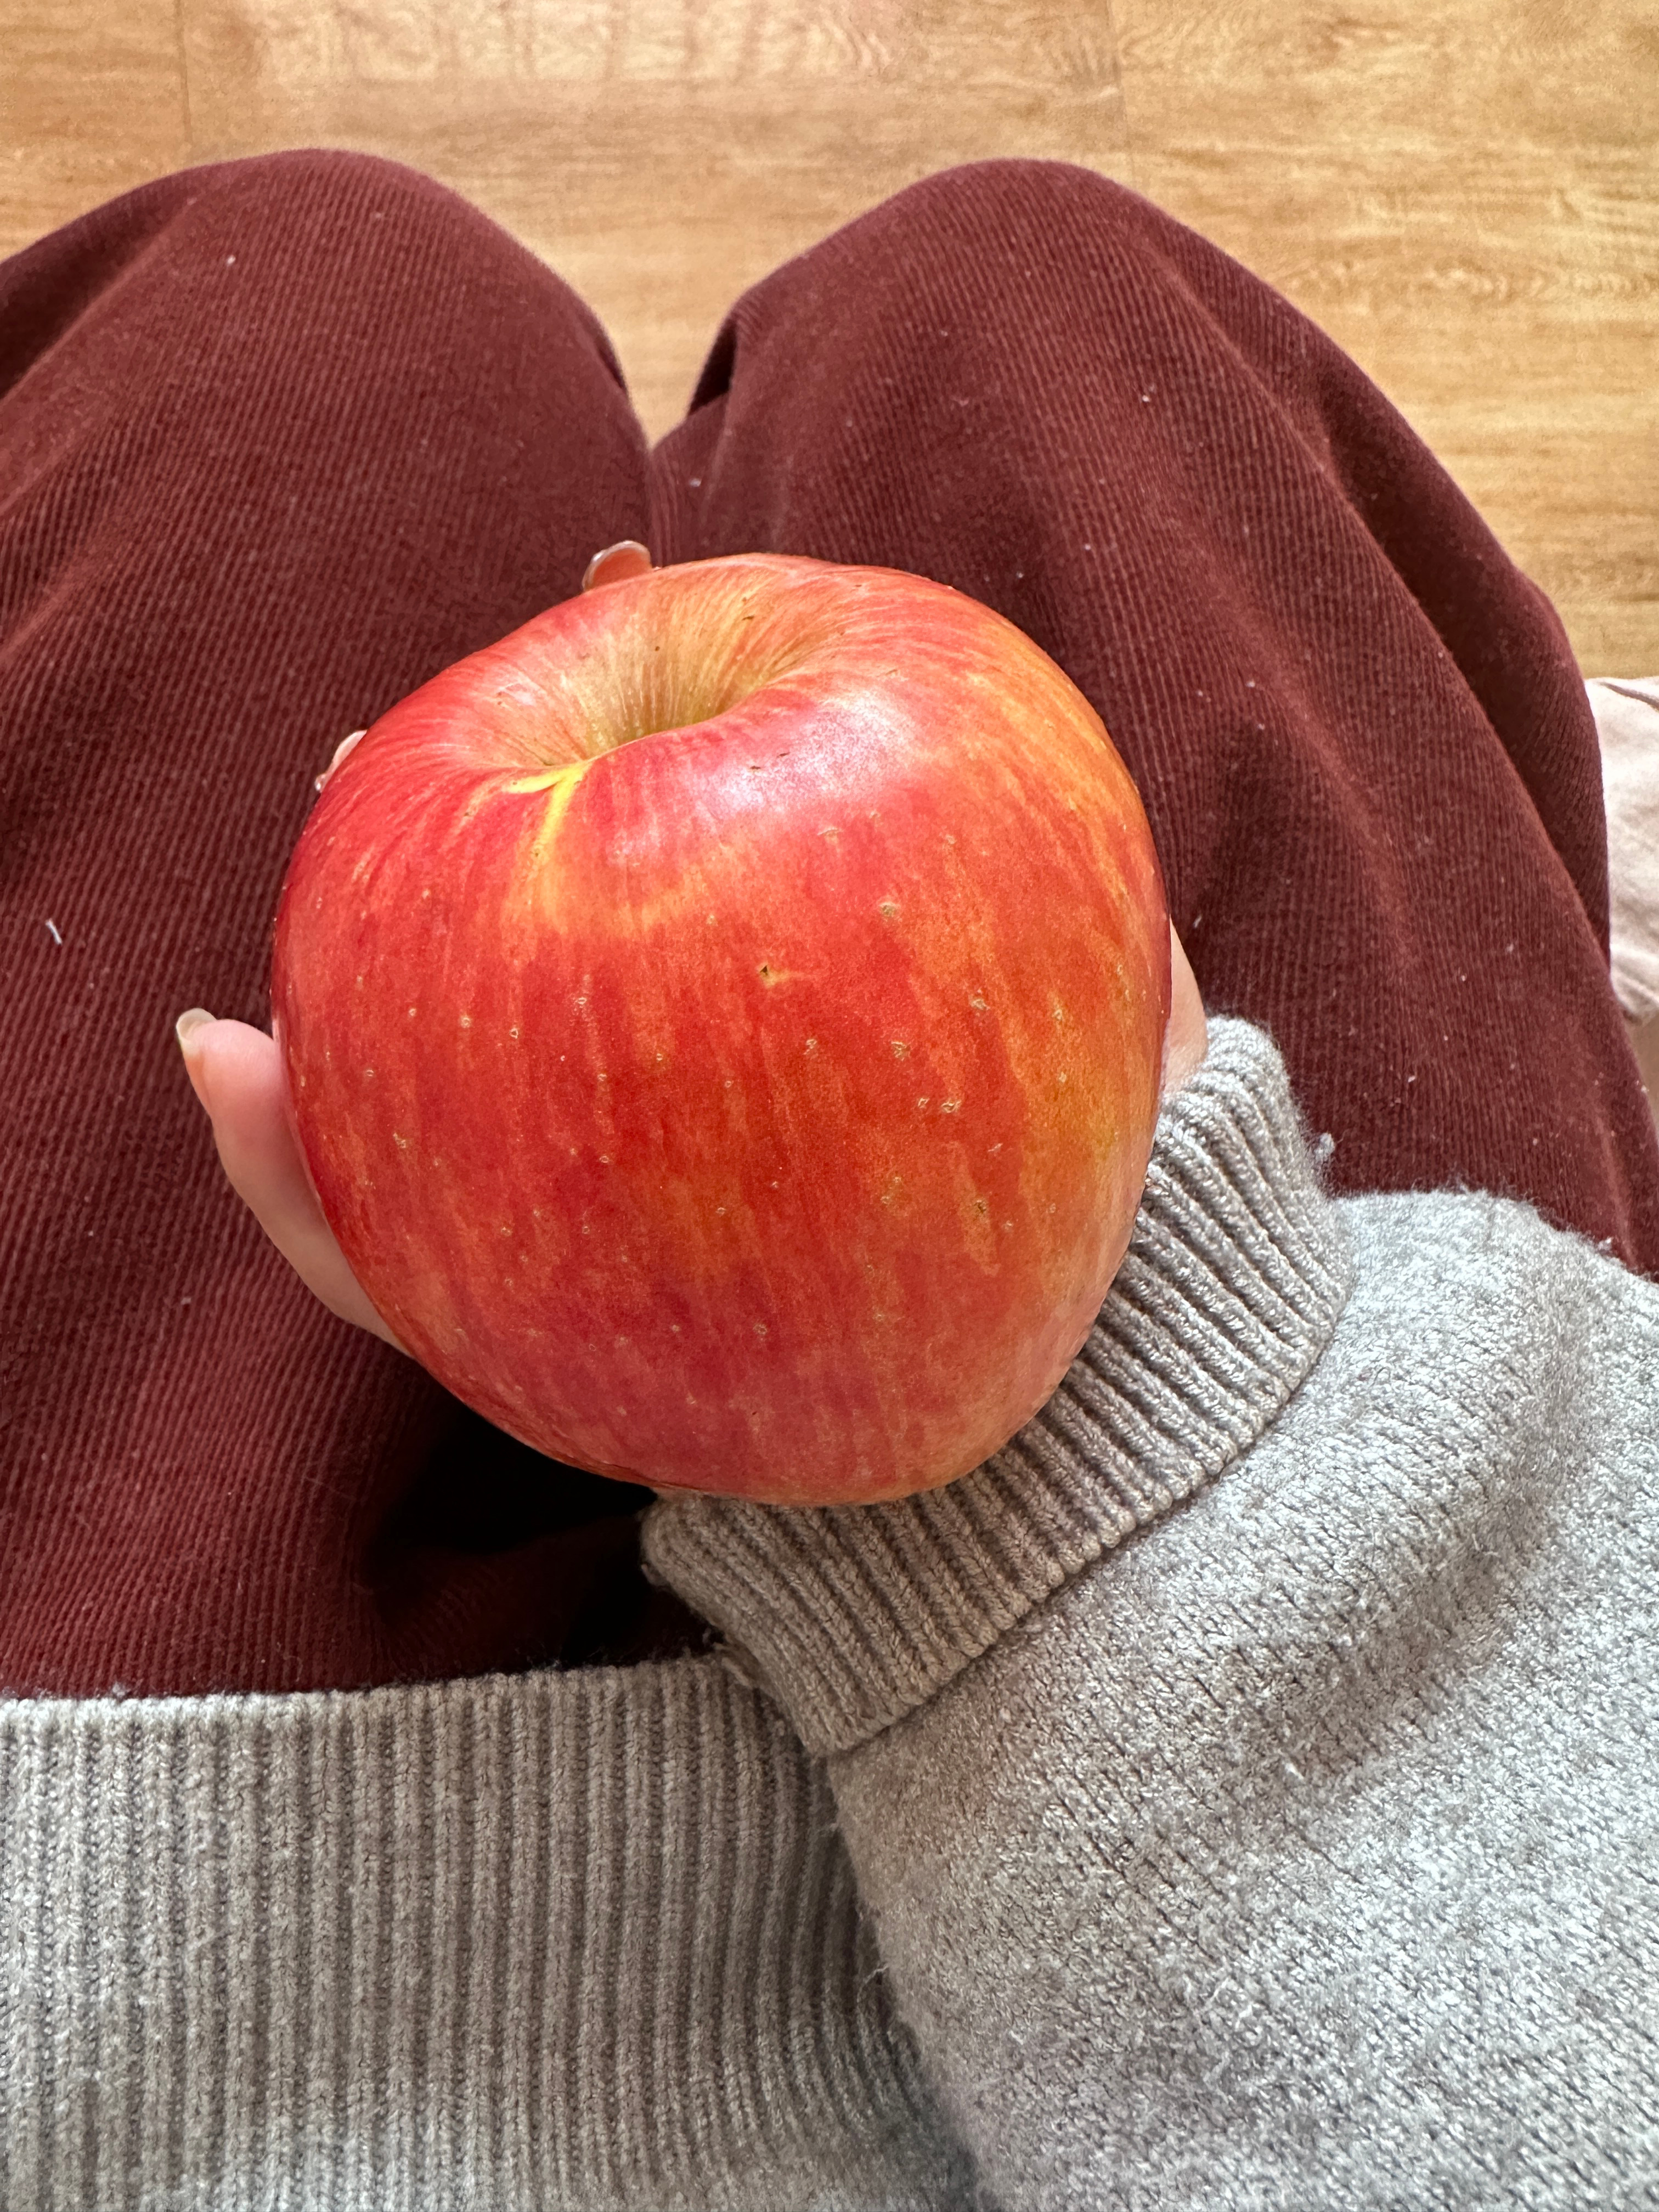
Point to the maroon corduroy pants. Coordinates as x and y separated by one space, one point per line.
279 439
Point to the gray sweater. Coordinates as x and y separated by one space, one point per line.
1239 1792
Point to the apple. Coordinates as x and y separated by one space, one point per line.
722 1024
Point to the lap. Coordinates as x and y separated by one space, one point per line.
286 436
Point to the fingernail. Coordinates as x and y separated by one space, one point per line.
618 564
184 1029
347 745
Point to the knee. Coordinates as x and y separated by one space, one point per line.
1009 204
318 191
334 252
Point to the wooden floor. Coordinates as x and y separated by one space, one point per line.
1465 193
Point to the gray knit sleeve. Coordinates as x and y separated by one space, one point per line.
1250 1770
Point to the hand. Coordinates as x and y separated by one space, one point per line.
1187 1037
237 1074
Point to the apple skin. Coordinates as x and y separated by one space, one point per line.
723 1025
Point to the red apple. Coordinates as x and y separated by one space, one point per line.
723 1025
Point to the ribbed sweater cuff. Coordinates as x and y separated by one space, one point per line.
586 1938
1238 1266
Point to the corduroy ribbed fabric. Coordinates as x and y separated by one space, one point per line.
279 439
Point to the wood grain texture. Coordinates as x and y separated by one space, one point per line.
93 101
1468 199
1464 197
662 155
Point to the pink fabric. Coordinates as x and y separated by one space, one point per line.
1626 711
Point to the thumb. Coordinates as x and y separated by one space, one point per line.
236 1073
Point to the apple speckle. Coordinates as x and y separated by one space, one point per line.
981 1209
760 1328
899 1050
1007 1224
719 1209
887 908
302 1082
1059 1014
1061 1078
605 1159
513 1033
997 1147
950 1105
369 1075
673 1328
920 1102
412 1013
402 1143
978 1004
812 1044
426 893
466 1021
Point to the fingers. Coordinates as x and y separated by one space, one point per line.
236 1074
346 746
1187 1037
616 563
